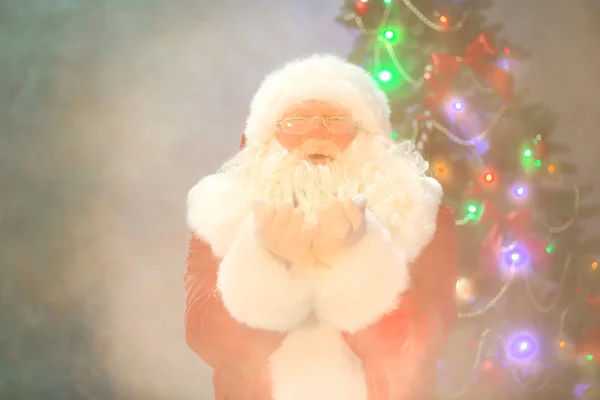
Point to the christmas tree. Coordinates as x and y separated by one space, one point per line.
528 293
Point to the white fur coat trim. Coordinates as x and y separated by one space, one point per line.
315 363
324 77
366 285
417 226
258 289
364 281
216 209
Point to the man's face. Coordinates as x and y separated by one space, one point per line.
317 131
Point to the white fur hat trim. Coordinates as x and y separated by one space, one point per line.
319 77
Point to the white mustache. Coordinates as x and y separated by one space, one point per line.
324 147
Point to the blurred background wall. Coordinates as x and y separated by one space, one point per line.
110 110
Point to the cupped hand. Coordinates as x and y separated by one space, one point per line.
281 230
340 225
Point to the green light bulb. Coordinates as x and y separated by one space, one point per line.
387 1
472 208
538 163
389 34
549 248
527 153
590 357
385 76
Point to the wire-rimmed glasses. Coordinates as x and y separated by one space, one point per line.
335 125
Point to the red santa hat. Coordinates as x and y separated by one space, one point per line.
322 77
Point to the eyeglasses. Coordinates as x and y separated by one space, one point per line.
334 125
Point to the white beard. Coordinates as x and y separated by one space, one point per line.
382 170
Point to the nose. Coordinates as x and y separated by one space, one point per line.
318 130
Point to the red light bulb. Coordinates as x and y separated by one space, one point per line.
361 7
489 177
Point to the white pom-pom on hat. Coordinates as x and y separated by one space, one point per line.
322 77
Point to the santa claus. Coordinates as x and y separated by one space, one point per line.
321 265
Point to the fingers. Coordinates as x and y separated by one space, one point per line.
361 201
296 223
258 207
283 216
297 232
355 213
318 238
336 222
305 238
263 215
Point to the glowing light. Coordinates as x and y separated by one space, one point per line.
457 106
507 50
549 248
462 285
474 211
538 163
562 344
590 357
427 75
514 259
387 1
519 191
389 34
527 153
441 169
394 135
385 76
489 177
488 365
551 168
443 19
595 265
362 7
522 347
464 290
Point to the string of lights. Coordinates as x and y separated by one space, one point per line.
441 27
534 299
465 292
524 342
464 289
519 261
385 75
434 124
567 224
388 34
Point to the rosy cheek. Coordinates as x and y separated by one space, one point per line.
343 141
289 142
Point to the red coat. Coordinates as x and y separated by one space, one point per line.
240 355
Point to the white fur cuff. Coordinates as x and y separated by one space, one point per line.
418 226
364 281
216 209
257 289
